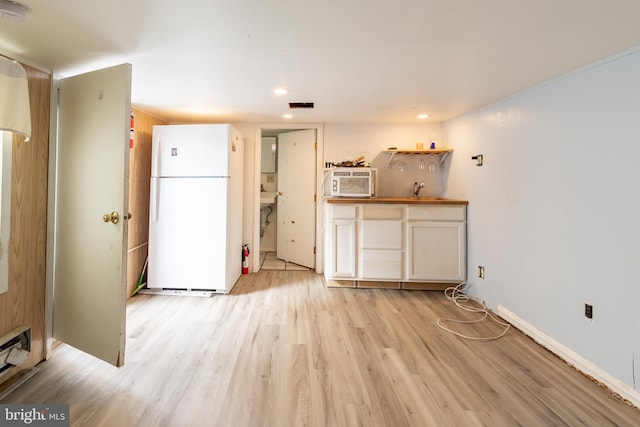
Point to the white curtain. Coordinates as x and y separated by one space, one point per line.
15 113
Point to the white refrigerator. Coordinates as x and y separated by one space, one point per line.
195 212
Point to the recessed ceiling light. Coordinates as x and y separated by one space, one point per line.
12 11
423 116
287 116
280 91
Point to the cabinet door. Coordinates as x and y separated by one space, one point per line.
436 251
343 256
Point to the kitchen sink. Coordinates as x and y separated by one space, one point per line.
421 199
267 198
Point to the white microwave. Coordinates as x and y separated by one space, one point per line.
353 182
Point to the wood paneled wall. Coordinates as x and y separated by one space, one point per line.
24 303
139 174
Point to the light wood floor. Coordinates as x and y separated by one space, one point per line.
284 350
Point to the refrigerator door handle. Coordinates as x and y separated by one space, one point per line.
155 158
155 199
158 156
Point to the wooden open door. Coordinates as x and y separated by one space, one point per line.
91 191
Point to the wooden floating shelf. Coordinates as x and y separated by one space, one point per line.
427 151
437 151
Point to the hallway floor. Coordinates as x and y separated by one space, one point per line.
269 261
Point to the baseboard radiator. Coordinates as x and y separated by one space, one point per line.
14 348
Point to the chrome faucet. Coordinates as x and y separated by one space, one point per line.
417 187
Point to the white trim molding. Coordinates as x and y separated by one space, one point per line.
571 357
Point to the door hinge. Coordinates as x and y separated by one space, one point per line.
315 198
315 146
314 250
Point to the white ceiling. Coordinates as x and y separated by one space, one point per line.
359 61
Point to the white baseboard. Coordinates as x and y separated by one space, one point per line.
572 358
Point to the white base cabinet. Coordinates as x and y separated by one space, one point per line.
436 251
344 248
340 255
381 244
369 245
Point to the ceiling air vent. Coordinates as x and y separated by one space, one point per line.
301 105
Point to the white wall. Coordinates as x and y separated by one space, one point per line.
251 171
350 141
554 213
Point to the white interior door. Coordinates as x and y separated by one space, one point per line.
296 199
92 180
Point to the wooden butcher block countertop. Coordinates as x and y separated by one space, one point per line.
398 200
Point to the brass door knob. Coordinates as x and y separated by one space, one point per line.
113 217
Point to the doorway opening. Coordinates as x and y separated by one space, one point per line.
287 212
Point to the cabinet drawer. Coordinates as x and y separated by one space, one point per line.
436 213
381 265
381 234
381 212
343 212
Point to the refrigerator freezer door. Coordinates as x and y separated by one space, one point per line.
188 235
191 150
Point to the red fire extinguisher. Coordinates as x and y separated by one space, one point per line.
245 259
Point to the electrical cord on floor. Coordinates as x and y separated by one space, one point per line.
474 305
